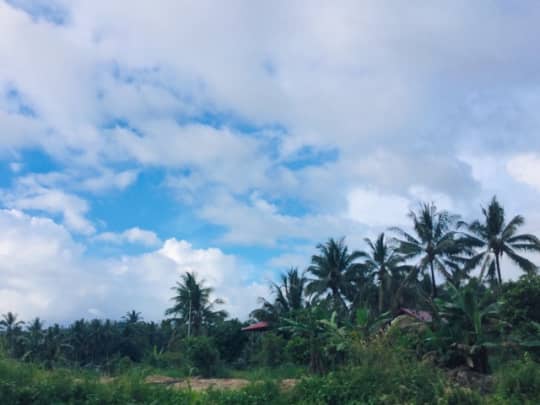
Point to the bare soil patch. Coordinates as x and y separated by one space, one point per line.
202 384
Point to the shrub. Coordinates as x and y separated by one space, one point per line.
203 355
272 350
521 301
520 381
297 350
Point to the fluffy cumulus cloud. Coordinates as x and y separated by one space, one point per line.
259 126
46 273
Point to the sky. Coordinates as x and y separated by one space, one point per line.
140 140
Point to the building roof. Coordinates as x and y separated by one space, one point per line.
423 316
255 327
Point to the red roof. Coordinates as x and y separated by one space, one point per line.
423 316
259 326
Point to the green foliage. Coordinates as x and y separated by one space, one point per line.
297 350
521 303
229 339
193 306
380 375
259 393
203 356
327 342
519 382
272 350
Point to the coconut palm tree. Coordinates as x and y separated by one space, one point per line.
384 262
494 237
12 329
9 323
192 304
132 317
434 241
290 292
333 269
289 297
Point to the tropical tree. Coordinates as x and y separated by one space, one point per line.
468 323
494 237
132 317
333 268
288 297
34 339
434 243
11 328
383 261
192 304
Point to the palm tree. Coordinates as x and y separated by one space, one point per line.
434 242
494 237
132 317
193 305
333 268
289 297
290 292
9 323
11 328
34 338
383 261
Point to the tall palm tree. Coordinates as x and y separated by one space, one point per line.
289 297
384 262
192 303
333 268
434 241
494 238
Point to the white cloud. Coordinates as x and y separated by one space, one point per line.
30 195
224 100
259 222
374 208
133 235
108 180
42 269
526 169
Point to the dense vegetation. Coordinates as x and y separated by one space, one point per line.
417 317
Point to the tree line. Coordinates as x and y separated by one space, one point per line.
444 265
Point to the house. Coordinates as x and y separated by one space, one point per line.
257 327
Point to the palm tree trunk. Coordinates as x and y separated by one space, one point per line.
433 285
381 292
498 264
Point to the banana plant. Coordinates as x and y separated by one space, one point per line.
327 341
467 324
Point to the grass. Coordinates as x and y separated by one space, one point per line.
377 376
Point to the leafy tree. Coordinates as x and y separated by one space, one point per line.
521 304
333 269
434 241
494 238
192 304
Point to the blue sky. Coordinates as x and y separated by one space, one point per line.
141 140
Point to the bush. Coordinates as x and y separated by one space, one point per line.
297 350
272 350
203 355
521 301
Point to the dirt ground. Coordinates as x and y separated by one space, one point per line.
201 384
